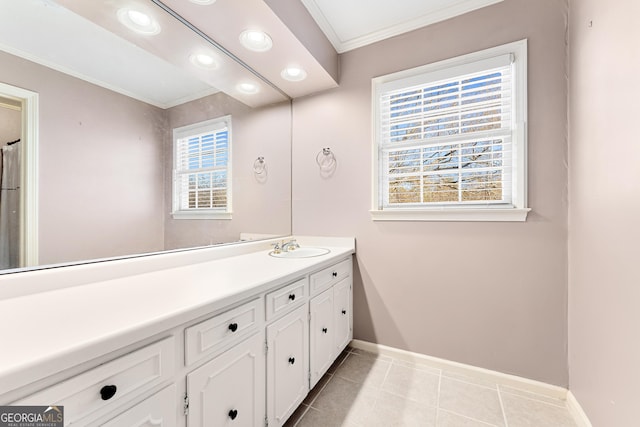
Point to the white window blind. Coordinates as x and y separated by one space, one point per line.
202 167
448 137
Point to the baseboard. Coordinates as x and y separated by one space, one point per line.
576 411
514 381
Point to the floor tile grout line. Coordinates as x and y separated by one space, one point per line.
561 403
467 417
471 383
321 388
504 413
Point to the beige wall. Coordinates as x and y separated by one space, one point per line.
488 294
101 172
604 182
259 205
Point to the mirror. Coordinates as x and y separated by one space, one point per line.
105 152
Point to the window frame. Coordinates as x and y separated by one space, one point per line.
183 132
517 210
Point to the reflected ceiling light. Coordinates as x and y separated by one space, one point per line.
203 2
256 41
204 60
294 74
247 88
138 21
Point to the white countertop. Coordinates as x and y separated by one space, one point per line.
48 332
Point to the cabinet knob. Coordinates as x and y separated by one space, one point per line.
334 274
233 414
233 327
292 360
324 330
108 391
344 311
292 297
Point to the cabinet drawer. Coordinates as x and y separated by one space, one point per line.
158 410
128 376
327 277
223 330
288 297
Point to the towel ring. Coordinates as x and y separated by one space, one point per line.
259 166
325 159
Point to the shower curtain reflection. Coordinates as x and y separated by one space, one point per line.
10 205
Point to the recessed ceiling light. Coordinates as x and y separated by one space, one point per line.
256 41
294 74
204 60
247 88
138 21
203 2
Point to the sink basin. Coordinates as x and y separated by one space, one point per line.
303 252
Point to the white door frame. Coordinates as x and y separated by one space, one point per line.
29 172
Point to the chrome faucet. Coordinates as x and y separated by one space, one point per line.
290 246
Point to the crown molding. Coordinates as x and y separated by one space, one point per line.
342 46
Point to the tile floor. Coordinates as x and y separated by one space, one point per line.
362 389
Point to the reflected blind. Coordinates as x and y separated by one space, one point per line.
202 170
445 141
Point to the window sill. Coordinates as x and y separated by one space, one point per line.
452 214
201 215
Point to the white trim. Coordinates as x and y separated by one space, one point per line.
10 106
29 172
342 46
514 381
451 214
205 214
576 411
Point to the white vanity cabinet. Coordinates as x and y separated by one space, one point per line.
246 361
287 364
331 317
112 385
158 410
230 389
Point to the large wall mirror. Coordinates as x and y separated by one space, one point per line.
108 101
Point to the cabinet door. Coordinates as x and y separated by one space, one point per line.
230 389
287 365
321 335
159 410
342 313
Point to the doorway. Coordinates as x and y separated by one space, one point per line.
18 177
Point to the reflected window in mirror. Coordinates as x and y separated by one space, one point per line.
202 170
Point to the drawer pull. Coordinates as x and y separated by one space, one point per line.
334 274
292 360
324 330
108 391
233 414
233 327
292 297
344 311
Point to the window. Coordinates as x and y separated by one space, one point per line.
450 139
202 170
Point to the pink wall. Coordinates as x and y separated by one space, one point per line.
505 306
259 206
604 182
100 166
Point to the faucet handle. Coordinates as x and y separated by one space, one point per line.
276 248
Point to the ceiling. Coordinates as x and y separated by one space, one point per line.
356 23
